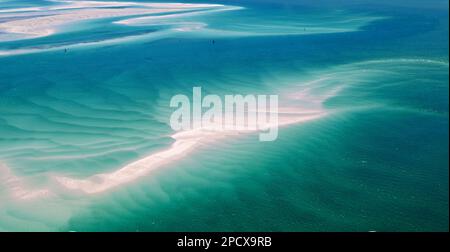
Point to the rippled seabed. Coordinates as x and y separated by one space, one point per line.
84 94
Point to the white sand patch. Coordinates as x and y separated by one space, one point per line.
185 143
51 18
17 187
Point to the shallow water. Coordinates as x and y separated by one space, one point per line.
94 97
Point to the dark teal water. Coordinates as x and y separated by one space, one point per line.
378 161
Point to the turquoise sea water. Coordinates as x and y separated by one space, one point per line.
94 97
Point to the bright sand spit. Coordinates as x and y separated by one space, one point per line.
185 143
51 18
